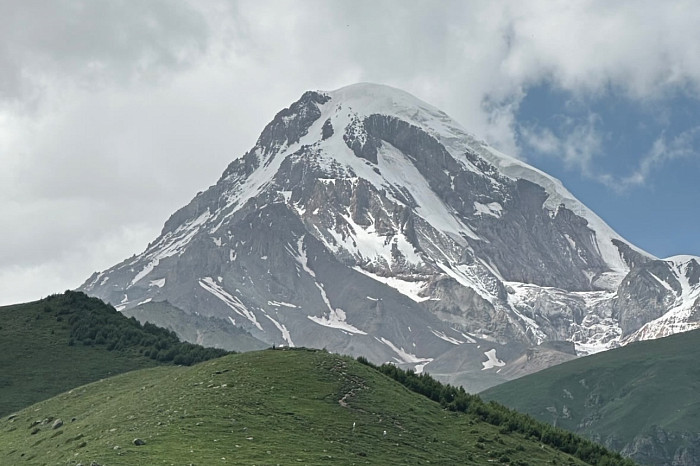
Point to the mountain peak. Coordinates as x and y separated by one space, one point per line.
367 221
366 99
364 89
369 98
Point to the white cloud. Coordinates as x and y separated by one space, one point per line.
543 140
681 146
581 144
639 47
578 146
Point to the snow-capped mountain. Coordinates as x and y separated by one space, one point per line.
366 221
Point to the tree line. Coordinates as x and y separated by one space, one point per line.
94 323
508 420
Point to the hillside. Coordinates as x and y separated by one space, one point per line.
641 399
267 407
64 341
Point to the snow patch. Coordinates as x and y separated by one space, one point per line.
418 368
492 360
335 319
232 302
410 289
160 283
145 271
493 209
300 256
174 242
366 243
405 356
286 195
663 283
442 336
281 303
283 330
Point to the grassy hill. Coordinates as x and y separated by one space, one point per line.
641 399
266 407
63 341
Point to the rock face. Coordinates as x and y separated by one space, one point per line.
659 298
549 353
367 222
206 331
660 447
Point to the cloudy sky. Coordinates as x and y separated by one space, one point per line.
113 114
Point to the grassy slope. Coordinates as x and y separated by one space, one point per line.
37 361
267 407
620 393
